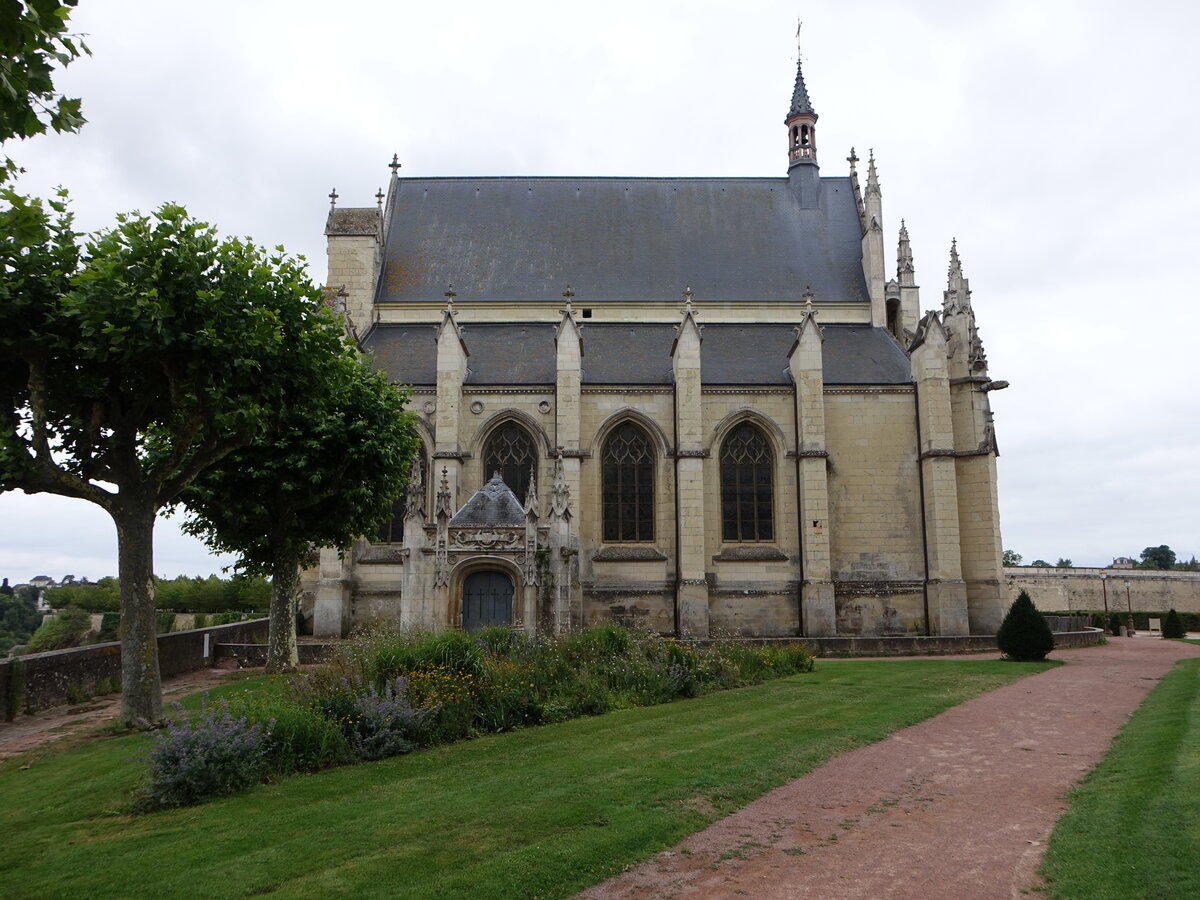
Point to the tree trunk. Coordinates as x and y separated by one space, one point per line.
141 685
282 653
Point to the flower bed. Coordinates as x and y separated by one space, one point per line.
384 693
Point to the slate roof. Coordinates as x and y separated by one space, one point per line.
732 354
512 240
492 504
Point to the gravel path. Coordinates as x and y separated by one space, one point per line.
30 731
959 806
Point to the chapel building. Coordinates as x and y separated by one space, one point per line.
699 405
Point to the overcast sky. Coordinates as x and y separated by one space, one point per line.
1053 138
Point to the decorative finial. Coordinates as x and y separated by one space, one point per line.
450 294
379 198
568 295
688 297
809 297
333 198
852 159
799 25
394 164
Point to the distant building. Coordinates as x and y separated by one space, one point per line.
1124 562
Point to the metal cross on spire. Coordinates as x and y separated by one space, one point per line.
333 198
394 165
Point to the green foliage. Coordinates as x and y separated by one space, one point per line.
1160 557
1063 563
69 628
1024 634
110 625
1172 626
581 801
108 686
14 697
1011 558
325 472
1115 622
498 679
139 359
19 617
101 596
208 755
33 41
165 622
76 693
200 621
1130 830
1041 563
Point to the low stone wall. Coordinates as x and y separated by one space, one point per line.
47 677
251 656
1098 589
920 645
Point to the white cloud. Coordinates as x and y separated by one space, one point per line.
1047 136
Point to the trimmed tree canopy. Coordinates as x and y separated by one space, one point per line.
323 475
133 363
1024 634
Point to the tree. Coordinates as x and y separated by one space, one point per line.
1040 562
1063 563
1172 626
1024 634
1011 558
325 474
33 39
133 363
1160 557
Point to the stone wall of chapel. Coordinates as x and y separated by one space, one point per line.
630 591
352 263
752 597
874 511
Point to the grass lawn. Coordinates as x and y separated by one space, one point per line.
541 812
1133 829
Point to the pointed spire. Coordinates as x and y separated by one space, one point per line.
414 500
560 492
442 505
809 318
688 311
958 288
531 493
800 101
872 175
904 258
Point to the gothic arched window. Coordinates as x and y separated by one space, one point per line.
510 451
747 491
392 531
627 473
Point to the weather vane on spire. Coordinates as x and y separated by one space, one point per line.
799 24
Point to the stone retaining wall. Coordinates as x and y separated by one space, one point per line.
1098 589
49 676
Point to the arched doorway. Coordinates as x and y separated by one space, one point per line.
487 599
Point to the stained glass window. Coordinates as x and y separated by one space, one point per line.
628 485
747 492
510 451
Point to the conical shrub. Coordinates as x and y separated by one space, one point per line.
1024 634
1172 626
